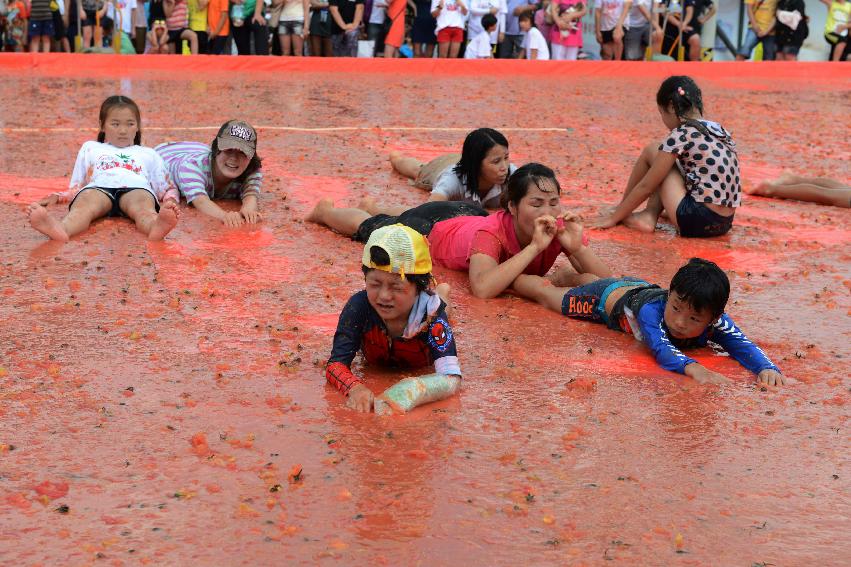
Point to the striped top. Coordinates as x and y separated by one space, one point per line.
179 16
189 166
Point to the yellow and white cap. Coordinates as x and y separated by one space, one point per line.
407 249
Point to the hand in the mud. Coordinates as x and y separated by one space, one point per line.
570 234
772 378
251 214
233 219
603 222
545 231
705 376
360 398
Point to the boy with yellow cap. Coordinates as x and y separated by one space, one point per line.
398 320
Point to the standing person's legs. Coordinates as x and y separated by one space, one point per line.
297 38
694 47
261 38
751 40
769 48
286 43
338 43
203 42
242 38
139 40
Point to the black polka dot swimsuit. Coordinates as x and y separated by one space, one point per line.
707 161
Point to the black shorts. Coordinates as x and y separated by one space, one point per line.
320 23
90 19
174 36
608 36
58 26
421 218
115 196
696 220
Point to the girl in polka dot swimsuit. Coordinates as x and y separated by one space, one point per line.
693 173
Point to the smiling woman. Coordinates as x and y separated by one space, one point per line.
227 169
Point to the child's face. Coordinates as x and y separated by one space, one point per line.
494 167
231 163
669 117
536 203
390 295
525 25
120 127
682 320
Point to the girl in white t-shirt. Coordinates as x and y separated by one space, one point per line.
534 44
609 24
475 176
114 177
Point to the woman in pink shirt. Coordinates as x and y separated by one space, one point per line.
526 237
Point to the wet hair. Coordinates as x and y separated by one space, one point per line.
703 285
684 96
530 174
488 20
526 16
118 101
254 165
379 257
476 146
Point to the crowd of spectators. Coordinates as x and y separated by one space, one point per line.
549 29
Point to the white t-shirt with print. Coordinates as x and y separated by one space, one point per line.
450 16
610 11
104 165
479 8
534 39
126 8
635 19
449 185
479 47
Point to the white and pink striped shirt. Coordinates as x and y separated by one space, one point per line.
189 166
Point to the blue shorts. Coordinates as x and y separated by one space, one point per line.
41 28
589 301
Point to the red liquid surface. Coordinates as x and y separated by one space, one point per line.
159 400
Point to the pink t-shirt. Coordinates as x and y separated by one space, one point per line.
574 38
453 241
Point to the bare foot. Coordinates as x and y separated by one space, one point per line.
43 222
642 221
318 213
166 220
765 189
367 204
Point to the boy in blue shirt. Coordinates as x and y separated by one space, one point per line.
396 321
688 315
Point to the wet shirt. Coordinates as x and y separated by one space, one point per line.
641 312
104 165
190 166
454 241
449 185
427 339
707 157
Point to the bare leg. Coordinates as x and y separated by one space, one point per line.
617 49
454 50
344 221
139 206
370 205
540 290
813 192
789 179
641 167
298 45
443 50
404 165
90 205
